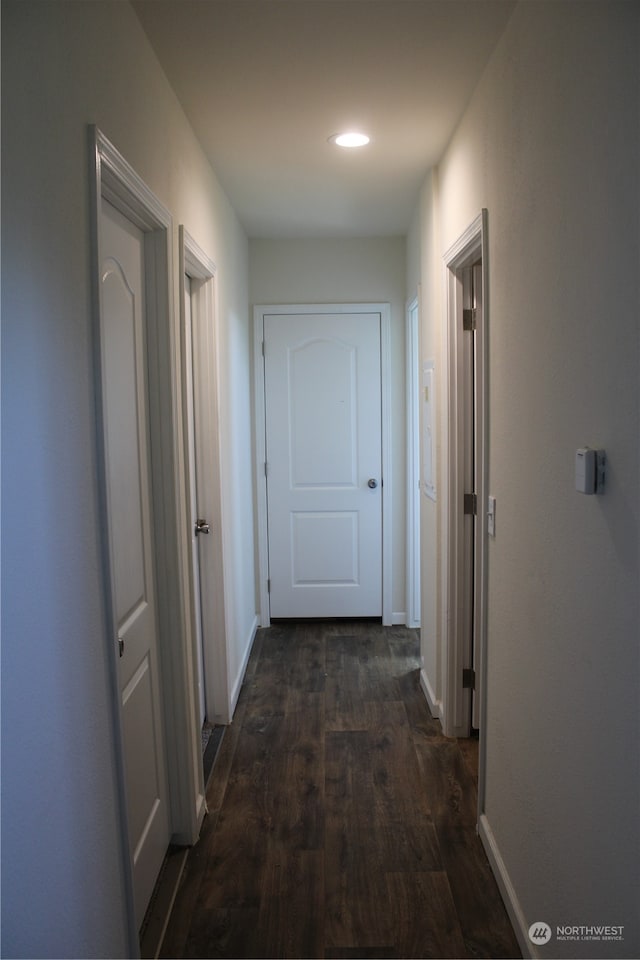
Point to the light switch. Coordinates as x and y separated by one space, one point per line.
585 470
491 516
590 470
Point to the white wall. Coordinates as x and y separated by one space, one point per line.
65 65
342 271
549 144
423 276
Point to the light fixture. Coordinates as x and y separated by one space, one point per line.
350 139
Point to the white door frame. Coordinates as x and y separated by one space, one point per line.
206 379
113 179
413 464
470 247
259 312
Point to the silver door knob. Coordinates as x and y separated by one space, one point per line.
372 483
201 527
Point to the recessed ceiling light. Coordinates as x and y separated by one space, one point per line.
351 139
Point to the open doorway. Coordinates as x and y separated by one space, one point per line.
465 486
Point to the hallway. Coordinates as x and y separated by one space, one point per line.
341 822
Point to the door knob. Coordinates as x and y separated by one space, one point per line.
372 483
201 527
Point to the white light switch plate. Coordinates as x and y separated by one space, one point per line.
491 517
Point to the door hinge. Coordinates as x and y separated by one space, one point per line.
266 469
471 504
263 348
269 585
468 679
469 319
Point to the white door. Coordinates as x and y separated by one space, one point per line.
323 448
413 465
199 525
129 511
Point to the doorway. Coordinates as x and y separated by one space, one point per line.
199 525
322 460
465 486
131 526
413 463
139 444
200 352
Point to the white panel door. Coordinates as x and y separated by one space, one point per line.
323 443
125 405
198 525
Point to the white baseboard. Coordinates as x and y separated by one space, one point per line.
435 705
201 809
237 686
507 890
398 619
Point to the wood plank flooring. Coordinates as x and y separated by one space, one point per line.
341 822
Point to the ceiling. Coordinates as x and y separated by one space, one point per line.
264 83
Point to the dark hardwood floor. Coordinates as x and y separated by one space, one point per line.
341 822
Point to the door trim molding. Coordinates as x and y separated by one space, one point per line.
113 179
470 246
259 312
